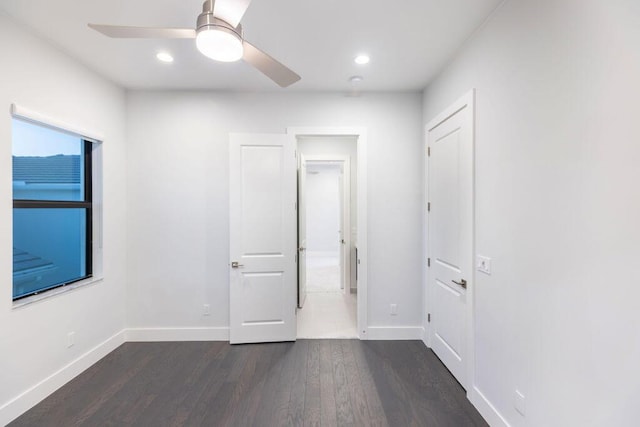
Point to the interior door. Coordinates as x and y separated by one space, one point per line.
262 238
450 218
302 231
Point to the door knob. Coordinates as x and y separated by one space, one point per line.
235 264
462 283
301 249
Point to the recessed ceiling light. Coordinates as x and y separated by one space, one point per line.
164 57
362 59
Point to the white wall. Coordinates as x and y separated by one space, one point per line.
33 337
323 196
558 205
179 198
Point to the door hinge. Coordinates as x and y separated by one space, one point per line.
295 206
429 151
296 257
428 262
429 317
429 207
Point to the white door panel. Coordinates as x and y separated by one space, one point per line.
262 238
450 189
262 194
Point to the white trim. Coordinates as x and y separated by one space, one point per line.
466 101
97 274
361 134
55 292
34 395
34 116
395 332
486 409
177 334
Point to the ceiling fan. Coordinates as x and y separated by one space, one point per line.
218 35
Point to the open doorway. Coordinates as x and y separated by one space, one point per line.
327 236
324 226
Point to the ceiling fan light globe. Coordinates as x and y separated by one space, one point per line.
219 44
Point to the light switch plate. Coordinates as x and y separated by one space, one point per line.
483 264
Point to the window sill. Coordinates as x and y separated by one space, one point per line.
55 292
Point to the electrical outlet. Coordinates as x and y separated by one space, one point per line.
71 339
394 309
483 264
519 402
206 310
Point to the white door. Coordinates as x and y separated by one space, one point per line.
450 228
262 238
302 231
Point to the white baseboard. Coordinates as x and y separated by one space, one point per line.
486 409
31 397
395 333
479 401
176 334
425 336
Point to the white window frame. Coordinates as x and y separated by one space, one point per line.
96 138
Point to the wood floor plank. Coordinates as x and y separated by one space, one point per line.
356 392
312 392
282 393
162 383
370 393
344 411
446 397
197 381
265 411
79 392
327 386
109 393
209 400
253 398
309 382
295 415
393 393
241 387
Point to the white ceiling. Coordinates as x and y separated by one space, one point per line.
408 40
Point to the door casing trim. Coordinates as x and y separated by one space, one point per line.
360 133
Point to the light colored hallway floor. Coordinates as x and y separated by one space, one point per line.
323 273
328 315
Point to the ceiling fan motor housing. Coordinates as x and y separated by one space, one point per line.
216 38
206 20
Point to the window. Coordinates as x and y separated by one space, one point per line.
52 208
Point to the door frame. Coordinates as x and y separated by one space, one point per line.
345 213
466 101
360 133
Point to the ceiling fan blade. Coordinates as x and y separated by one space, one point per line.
231 11
121 32
268 66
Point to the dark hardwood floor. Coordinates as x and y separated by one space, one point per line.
310 382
